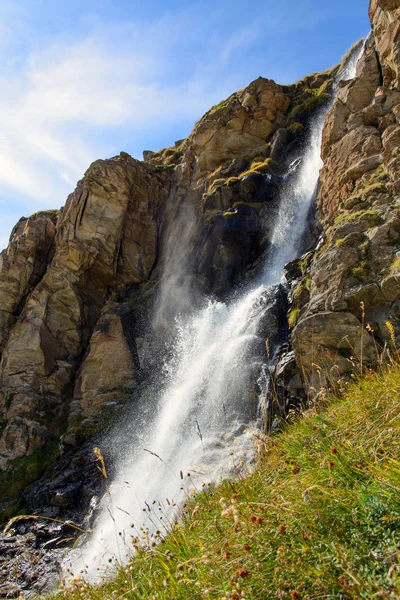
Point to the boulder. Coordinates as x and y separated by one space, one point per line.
330 344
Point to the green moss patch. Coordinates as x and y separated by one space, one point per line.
308 102
293 317
371 216
395 266
295 128
260 167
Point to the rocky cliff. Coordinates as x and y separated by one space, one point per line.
352 280
88 293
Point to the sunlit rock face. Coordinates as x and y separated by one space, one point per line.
90 293
354 276
23 264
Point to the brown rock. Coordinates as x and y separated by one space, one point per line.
244 122
107 237
330 343
108 371
356 205
23 263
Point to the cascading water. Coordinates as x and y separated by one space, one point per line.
198 432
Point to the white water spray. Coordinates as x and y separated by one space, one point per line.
198 433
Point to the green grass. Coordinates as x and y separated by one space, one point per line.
52 213
395 266
318 518
304 263
371 216
260 167
308 103
296 128
232 180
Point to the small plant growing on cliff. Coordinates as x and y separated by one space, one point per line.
260 167
361 271
309 102
395 266
372 217
295 128
215 184
293 317
303 263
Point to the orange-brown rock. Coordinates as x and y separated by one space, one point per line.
241 124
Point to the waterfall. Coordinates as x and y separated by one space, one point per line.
200 426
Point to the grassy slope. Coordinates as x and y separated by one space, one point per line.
319 518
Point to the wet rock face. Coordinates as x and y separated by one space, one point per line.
354 276
30 563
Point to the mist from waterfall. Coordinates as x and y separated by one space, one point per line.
199 427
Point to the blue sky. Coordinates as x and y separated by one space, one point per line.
85 80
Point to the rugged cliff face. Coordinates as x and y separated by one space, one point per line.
88 293
353 277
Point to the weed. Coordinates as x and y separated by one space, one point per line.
361 271
304 263
395 266
260 167
372 217
309 102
